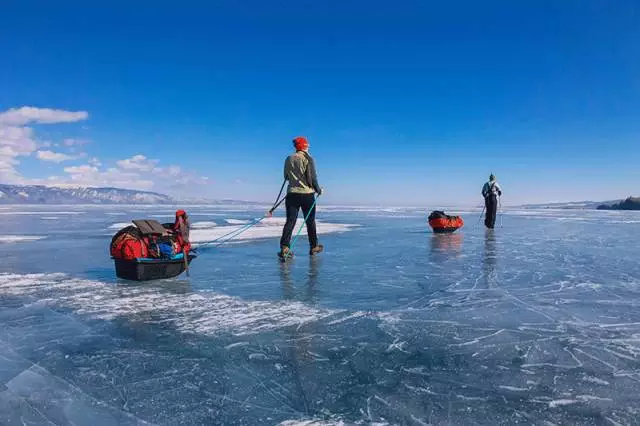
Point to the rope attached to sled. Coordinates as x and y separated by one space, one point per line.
236 232
231 235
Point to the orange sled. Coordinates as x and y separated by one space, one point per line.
442 223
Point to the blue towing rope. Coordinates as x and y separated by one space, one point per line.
231 235
237 232
293 243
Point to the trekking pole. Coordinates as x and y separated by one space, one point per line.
300 229
480 218
275 206
277 203
185 256
500 207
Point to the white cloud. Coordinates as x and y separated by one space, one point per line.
16 139
7 164
26 115
118 180
137 172
137 162
172 171
75 142
55 157
19 139
173 178
92 176
184 181
14 142
7 151
80 170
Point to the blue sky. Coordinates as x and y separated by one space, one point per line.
407 102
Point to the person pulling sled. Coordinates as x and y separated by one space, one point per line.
300 172
491 191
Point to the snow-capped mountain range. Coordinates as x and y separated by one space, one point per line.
40 194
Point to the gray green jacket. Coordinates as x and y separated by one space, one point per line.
300 171
491 188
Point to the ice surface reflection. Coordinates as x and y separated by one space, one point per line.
535 323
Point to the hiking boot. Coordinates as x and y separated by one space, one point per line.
317 249
285 251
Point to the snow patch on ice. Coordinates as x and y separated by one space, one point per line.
322 423
513 388
120 225
6 239
560 402
236 221
164 216
203 225
37 213
207 231
595 380
235 345
205 313
592 398
267 228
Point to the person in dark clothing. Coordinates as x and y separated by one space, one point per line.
300 172
491 191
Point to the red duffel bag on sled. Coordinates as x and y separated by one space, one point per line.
129 244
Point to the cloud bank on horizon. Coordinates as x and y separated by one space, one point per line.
18 140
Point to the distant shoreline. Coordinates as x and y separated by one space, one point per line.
631 203
40 195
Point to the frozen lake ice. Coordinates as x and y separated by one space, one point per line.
536 322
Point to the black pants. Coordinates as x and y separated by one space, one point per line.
491 205
295 202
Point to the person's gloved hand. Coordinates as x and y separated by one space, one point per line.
321 191
500 193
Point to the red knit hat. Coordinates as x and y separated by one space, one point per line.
300 143
180 213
